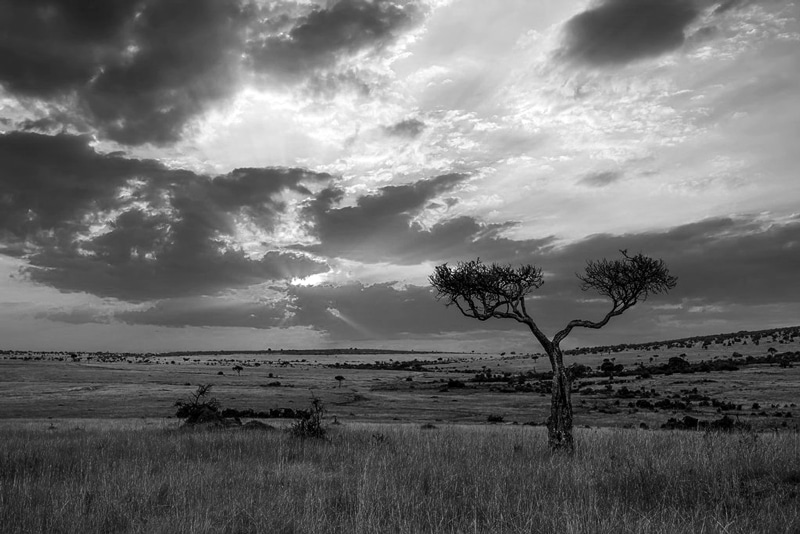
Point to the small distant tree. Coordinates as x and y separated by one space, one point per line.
340 379
238 369
483 292
198 404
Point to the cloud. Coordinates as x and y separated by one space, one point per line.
746 260
379 311
600 179
409 128
77 315
728 5
139 72
136 71
51 48
351 311
302 44
381 227
616 32
52 181
180 57
135 230
207 312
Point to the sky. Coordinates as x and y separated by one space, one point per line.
248 174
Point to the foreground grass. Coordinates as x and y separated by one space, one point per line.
396 479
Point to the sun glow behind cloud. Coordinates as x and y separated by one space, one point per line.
358 328
311 280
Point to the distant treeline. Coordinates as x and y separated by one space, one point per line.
781 335
297 352
288 352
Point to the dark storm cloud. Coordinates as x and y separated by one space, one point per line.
317 39
48 184
50 48
620 31
410 128
381 227
600 179
167 231
138 70
186 58
722 260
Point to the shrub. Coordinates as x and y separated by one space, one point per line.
309 424
198 406
577 370
677 362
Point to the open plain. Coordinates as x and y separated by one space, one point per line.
417 387
416 442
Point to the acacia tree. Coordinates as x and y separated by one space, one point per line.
483 291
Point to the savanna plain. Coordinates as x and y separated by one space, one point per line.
693 435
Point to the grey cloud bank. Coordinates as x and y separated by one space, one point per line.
164 232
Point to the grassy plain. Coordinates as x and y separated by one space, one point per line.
89 443
370 478
37 386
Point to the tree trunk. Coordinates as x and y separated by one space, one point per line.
559 424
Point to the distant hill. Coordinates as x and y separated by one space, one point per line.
783 335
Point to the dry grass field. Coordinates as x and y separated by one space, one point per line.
89 443
369 478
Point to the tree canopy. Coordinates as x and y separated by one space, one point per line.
483 291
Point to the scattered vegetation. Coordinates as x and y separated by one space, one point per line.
399 365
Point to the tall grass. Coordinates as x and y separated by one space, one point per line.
370 479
